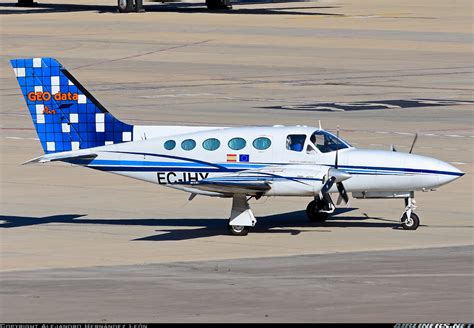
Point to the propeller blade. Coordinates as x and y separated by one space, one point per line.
339 200
342 194
414 141
335 176
327 185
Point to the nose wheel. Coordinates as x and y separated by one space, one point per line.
410 221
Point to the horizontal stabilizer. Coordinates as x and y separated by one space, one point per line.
65 156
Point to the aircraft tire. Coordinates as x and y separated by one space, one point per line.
238 230
218 4
411 224
313 213
125 6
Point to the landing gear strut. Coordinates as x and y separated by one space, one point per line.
319 210
241 216
410 221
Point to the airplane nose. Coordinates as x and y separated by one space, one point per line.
434 173
448 173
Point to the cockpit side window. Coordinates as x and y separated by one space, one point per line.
311 148
295 142
327 142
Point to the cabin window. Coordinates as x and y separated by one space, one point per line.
170 144
211 144
188 144
262 143
327 142
237 143
295 142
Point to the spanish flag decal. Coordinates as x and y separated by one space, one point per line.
231 157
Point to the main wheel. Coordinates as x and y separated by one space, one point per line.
313 211
26 3
411 223
238 230
125 6
218 4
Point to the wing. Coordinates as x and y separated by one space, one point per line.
235 187
249 183
291 179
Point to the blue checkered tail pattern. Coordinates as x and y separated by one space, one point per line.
66 116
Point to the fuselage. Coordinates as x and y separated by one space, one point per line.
295 158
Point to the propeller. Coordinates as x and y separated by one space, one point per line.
335 175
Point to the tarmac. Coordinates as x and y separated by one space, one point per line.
430 285
112 245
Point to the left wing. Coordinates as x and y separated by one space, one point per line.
286 180
234 187
249 183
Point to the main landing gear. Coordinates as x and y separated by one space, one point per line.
241 216
410 221
319 210
127 6
26 3
218 4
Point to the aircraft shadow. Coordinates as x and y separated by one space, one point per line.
278 220
187 8
291 223
44 8
286 223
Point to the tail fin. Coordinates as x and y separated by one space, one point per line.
66 116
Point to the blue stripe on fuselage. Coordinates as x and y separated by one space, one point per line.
396 169
188 167
193 165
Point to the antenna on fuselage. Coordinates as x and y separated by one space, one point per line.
337 148
413 143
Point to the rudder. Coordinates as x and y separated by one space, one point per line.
66 116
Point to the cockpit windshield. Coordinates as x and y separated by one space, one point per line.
327 142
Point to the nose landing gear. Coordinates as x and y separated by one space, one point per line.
410 221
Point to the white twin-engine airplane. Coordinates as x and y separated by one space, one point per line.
234 162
